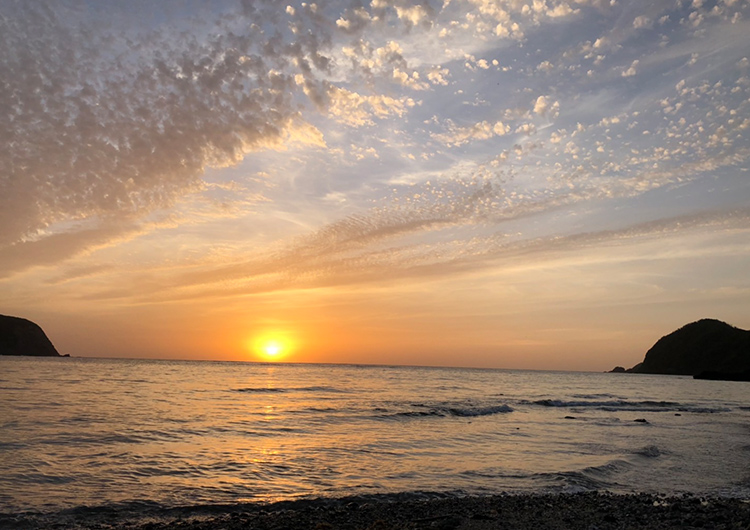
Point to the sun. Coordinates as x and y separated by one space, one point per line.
271 346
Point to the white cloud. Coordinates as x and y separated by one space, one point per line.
526 128
545 66
438 75
601 42
413 14
412 81
642 21
540 106
484 130
543 106
354 20
561 10
357 110
632 70
557 136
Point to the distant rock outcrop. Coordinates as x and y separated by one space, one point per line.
19 336
706 346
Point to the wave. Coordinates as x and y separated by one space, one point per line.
104 439
257 390
444 411
480 411
650 451
624 405
608 476
594 396
592 478
278 390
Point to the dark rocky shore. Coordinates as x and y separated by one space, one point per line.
580 511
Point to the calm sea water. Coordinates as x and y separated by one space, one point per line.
99 432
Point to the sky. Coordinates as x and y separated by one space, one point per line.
543 184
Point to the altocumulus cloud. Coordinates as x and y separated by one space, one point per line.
102 122
110 113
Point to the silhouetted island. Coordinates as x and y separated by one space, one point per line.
706 349
19 336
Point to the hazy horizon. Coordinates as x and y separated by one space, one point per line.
281 362
542 184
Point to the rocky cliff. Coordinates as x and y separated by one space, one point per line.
707 345
19 336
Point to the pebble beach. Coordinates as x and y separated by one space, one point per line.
590 510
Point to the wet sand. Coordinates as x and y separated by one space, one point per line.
585 511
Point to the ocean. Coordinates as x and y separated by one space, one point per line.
123 433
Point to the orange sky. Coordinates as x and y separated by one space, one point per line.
545 185
566 313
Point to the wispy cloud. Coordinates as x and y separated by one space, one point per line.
475 230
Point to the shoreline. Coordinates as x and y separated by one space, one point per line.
600 510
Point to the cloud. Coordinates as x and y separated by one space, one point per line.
354 20
526 128
511 19
105 125
412 13
545 66
632 70
105 121
438 75
642 21
79 272
99 124
458 135
379 247
543 107
53 249
358 110
411 81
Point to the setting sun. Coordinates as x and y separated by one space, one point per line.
272 349
272 346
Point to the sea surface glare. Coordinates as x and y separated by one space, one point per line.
98 432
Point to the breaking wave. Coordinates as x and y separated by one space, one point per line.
592 478
444 411
624 405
